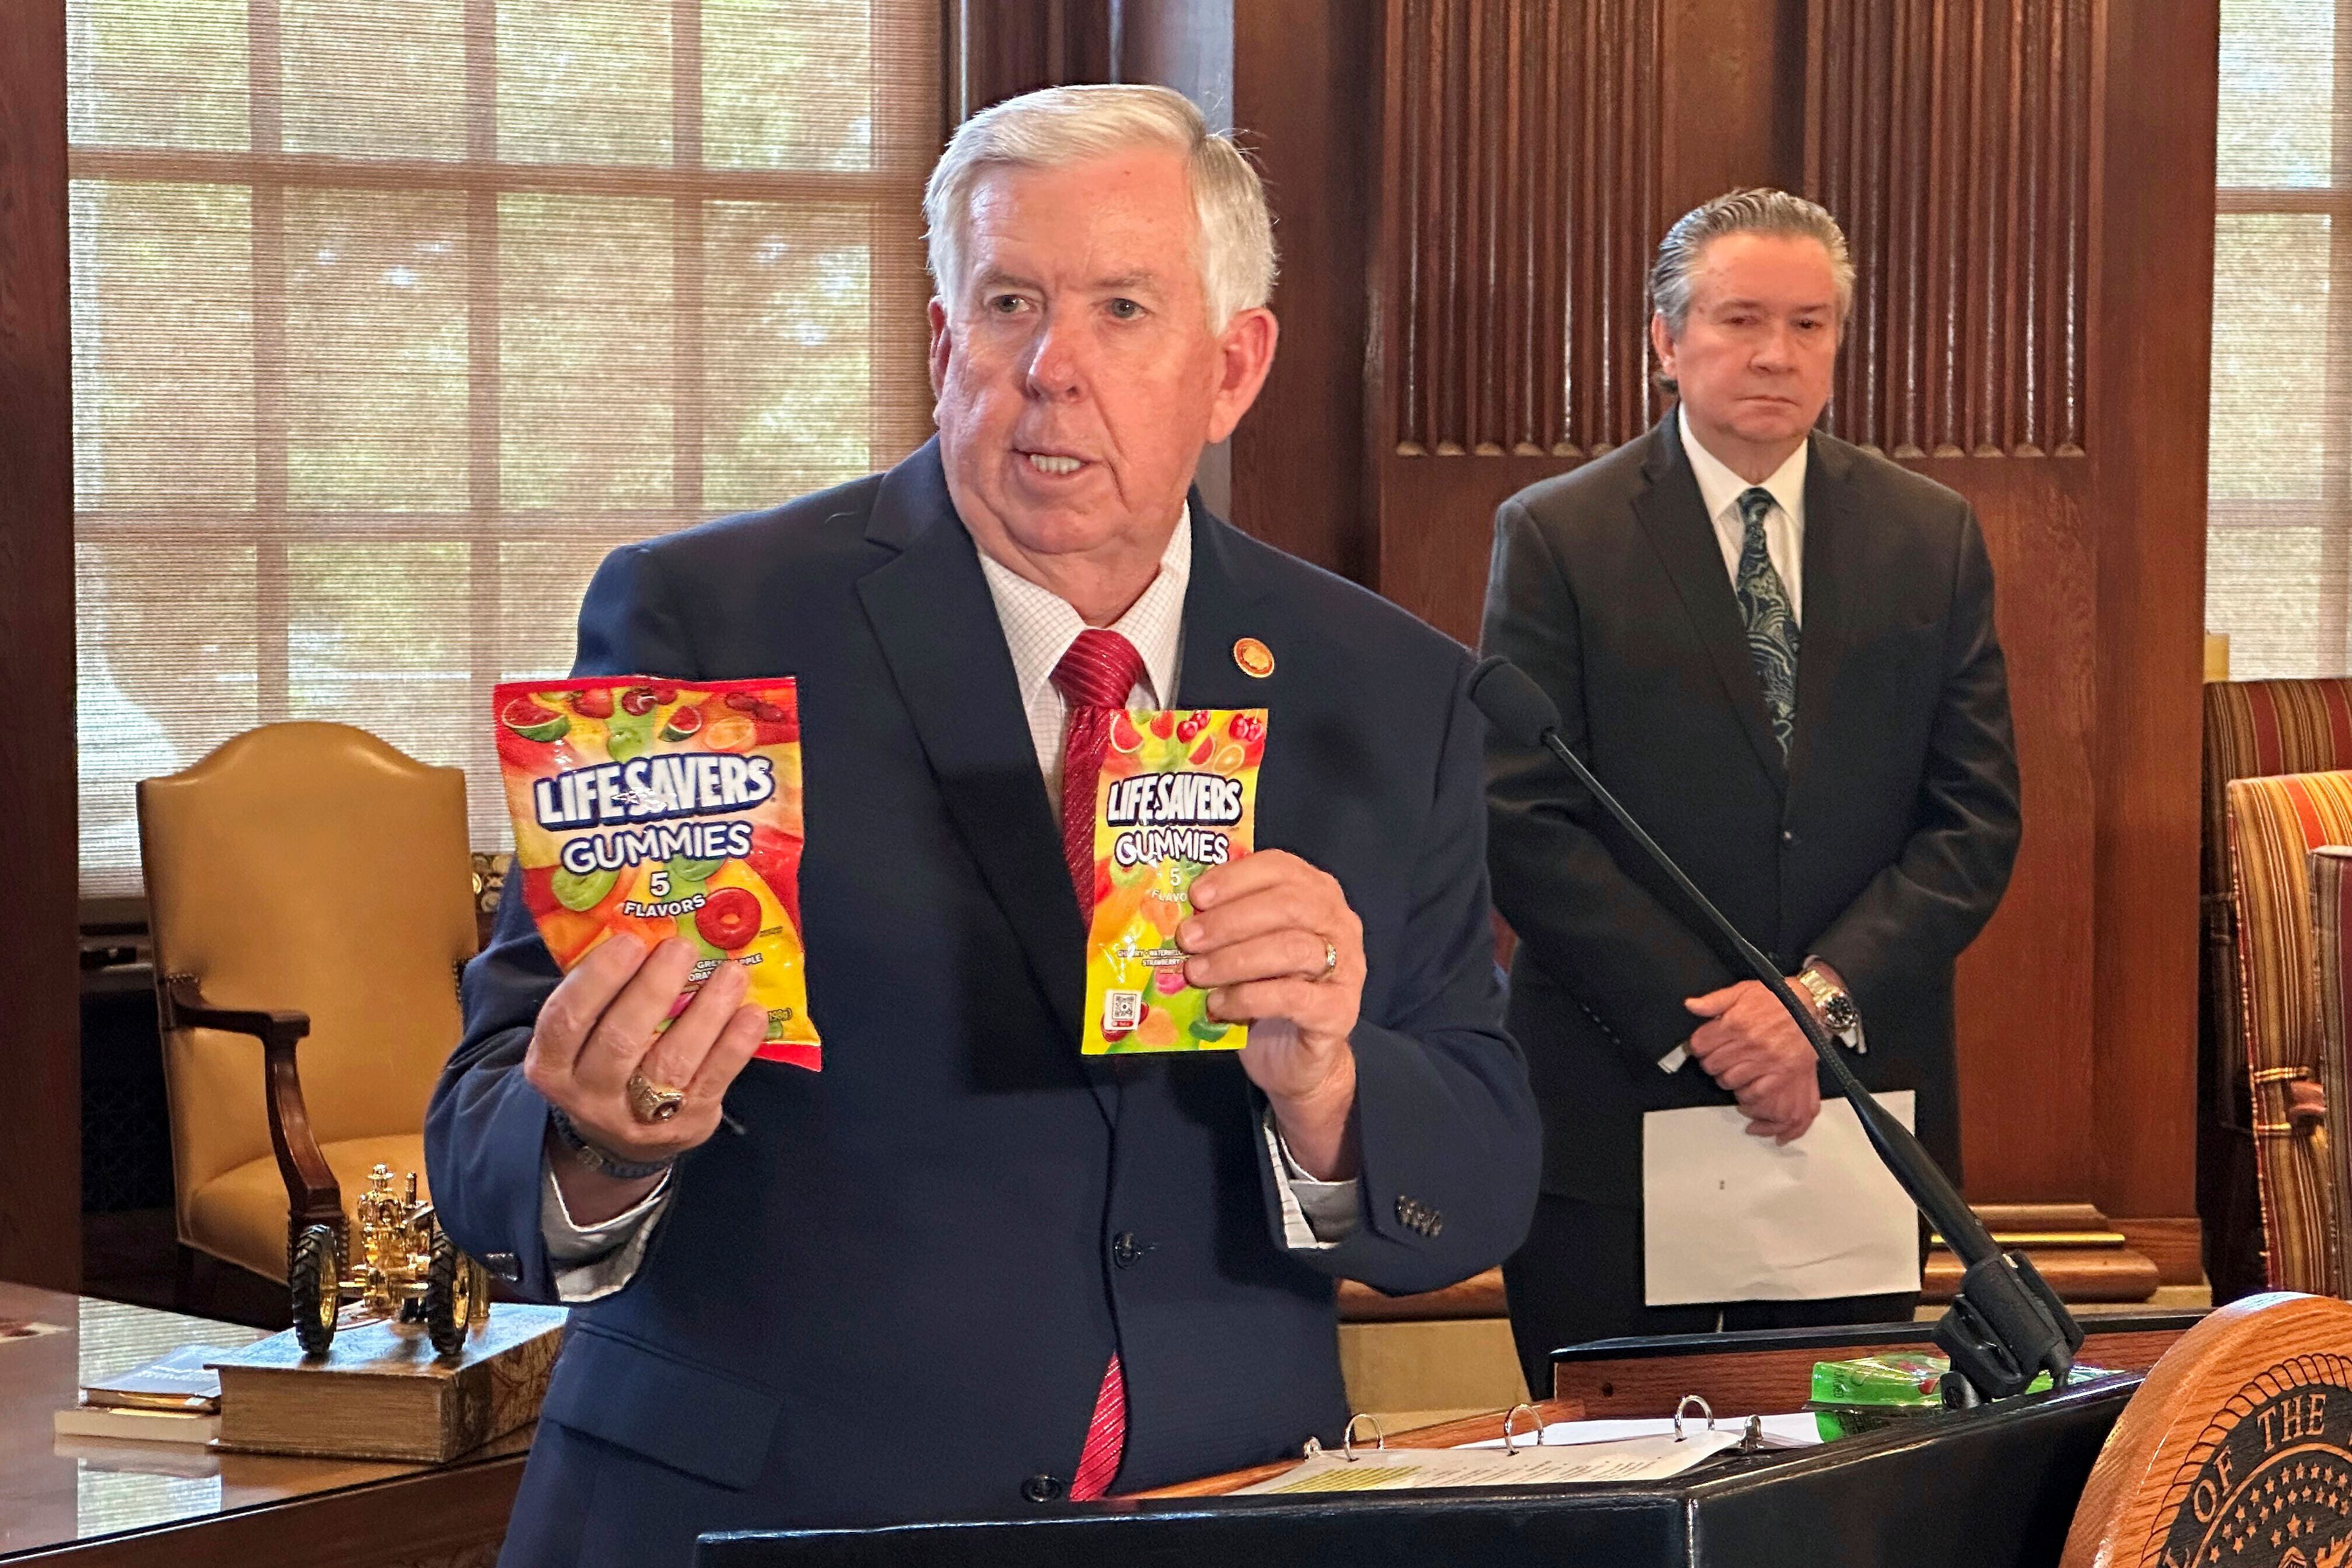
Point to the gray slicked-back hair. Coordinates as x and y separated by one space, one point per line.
1758 211
1062 125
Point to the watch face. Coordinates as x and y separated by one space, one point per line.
1839 1012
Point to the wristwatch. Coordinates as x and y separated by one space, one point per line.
589 1157
1839 1016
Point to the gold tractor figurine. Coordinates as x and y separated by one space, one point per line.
403 1269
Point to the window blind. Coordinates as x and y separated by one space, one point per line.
2278 574
390 317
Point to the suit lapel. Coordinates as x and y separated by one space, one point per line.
1674 517
1830 536
932 613
1220 610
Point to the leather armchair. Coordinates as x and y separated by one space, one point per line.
311 901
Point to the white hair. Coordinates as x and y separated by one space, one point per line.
1062 125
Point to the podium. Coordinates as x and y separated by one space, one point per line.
1976 1488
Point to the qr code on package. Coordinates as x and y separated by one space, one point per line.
1121 1010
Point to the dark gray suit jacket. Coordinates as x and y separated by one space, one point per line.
1881 845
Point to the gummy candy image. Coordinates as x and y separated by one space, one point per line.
1177 795
666 808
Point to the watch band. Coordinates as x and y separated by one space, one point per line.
1839 1015
589 1157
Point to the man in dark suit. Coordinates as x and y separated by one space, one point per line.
963 1269
1778 650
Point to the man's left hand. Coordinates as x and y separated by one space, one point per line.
1276 946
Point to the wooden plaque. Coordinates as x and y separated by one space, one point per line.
2236 1452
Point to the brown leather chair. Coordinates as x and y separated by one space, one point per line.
306 883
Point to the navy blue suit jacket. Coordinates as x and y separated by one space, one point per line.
894 1297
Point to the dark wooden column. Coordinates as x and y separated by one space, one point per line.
40 1062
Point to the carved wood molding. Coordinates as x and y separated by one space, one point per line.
1522 148
1952 138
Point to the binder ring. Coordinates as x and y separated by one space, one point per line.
1687 1401
1509 1446
1347 1437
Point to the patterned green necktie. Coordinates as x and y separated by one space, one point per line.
1771 623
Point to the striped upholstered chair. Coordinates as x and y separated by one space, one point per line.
2275 825
2253 729
2331 924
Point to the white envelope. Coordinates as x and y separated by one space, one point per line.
1727 1217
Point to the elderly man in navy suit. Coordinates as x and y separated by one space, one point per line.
964 1269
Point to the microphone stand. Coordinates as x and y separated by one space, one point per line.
2005 1324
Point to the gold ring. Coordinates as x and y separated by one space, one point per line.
652 1101
1330 960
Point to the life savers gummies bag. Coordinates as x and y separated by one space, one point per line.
1177 795
666 808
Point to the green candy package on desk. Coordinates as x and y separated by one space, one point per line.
1869 1392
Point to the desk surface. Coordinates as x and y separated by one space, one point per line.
136 1503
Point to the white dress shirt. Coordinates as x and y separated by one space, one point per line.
1039 628
1784 525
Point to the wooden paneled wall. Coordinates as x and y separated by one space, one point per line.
1953 141
1520 182
40 1054
2031 328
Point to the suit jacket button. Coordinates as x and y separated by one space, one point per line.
1043 1488
1125 1250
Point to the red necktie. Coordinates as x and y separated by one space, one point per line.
1094 677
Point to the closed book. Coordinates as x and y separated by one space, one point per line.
181 1381
380 1392
133 1426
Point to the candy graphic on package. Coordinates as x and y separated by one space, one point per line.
666 808
1177 795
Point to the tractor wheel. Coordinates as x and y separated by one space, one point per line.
452 1286
313 1269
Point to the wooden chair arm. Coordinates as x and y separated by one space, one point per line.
313 1195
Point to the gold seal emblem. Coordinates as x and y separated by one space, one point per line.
1256 659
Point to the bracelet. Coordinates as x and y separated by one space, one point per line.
590 1158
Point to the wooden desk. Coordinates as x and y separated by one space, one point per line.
96 1504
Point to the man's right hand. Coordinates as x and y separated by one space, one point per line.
596 1029
1751 1047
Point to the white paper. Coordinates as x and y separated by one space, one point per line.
1801 1430
1396 1469
1730 1217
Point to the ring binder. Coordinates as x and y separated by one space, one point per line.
1510 1447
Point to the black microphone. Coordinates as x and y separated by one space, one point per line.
2005 1324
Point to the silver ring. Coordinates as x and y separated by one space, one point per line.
1688 1401
1330 960
1347 1437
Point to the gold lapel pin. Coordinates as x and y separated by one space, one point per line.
1256 659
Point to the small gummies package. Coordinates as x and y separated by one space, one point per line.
666 808
1178 793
